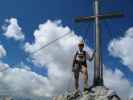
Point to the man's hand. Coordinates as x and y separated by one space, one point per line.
93 55
94 51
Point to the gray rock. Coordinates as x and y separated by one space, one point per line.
96 93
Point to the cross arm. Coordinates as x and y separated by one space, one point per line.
106 16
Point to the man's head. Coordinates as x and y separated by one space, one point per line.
81 45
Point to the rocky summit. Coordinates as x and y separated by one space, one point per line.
96 93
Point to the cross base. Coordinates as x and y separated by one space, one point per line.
98 82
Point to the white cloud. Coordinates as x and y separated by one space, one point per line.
122 48
115 80
58 59
2 51
22 82
12 29
3 66
24 66
18 82
131 94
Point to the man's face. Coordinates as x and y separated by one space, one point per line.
81 47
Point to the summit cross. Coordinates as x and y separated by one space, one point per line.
98 66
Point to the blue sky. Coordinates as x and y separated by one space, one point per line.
30 13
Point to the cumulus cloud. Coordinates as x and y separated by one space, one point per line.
2 51
115 80
12 29
23 83
122 48
57 57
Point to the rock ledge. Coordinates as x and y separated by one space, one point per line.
96 93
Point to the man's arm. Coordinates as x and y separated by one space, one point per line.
74 59
93 55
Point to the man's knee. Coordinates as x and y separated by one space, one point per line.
76 75
84 69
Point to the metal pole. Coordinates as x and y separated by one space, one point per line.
97 67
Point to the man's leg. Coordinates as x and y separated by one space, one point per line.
76 76
77 91
85 77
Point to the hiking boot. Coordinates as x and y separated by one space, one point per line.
85 91
76 93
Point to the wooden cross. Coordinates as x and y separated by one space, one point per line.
98 66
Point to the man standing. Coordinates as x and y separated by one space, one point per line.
80 65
